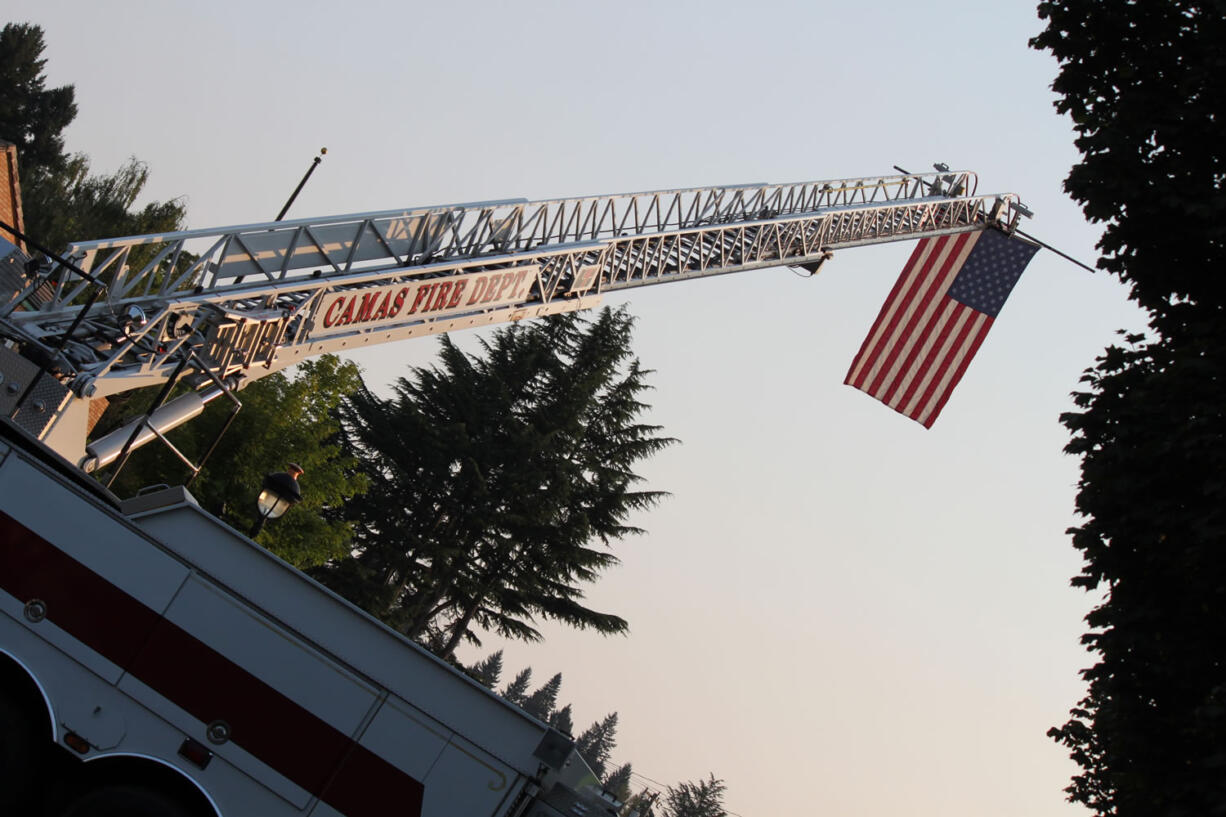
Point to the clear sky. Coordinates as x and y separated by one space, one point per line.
838 612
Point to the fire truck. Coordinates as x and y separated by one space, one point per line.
155 661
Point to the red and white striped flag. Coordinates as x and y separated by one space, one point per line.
935 319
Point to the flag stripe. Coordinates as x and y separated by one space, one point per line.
936 379
929 283
922 339
891 303
929 416
936 278
920 376
935 319
926 281
869 350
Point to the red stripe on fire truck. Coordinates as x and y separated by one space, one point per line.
288 738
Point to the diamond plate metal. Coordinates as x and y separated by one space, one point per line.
41 406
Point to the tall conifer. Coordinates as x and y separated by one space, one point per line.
500 480
562 721
488 670
597 742
541 702
517 691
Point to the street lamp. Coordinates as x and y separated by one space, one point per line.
280 492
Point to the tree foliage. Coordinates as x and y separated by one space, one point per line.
517 690
1151 733
541 703
73 205
32 116
702 799
283 419
62 201
597 742
563 720
498 482
1143 85
618 782
488 670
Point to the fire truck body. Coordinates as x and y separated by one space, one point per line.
158 635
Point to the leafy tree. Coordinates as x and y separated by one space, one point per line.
562 721
72 205
517 691
283 419
1142 83
702 799
498 482
596 743
541 702
488 670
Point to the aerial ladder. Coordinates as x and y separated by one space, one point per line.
216 309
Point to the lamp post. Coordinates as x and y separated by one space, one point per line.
279 493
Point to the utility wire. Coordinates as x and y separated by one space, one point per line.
1029 237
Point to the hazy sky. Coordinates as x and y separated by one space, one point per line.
838 612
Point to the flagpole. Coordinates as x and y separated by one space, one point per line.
1026 235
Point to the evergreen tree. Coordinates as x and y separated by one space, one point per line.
619 782
499 481
702 799
517 691
32 116
597 742
62 202
540 703
487 671
562 721
1143 85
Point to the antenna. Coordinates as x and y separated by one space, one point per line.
322 152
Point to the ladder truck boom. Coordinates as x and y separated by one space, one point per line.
234 304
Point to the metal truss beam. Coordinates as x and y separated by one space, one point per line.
250 300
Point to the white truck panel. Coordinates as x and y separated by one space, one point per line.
414 741
117 725
460 778
466 780
292 797
88 541
92 536
275 656
176 631
346 632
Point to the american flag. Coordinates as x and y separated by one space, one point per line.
935 319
